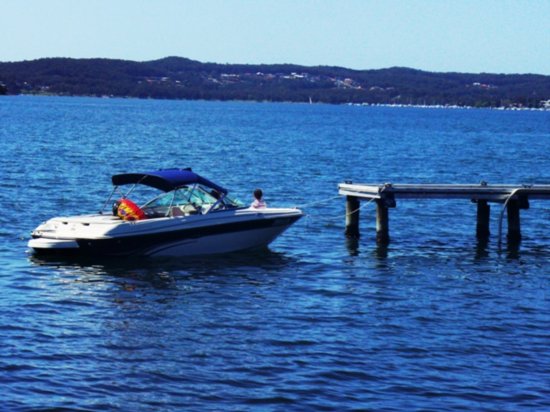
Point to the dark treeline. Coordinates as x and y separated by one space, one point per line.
180 78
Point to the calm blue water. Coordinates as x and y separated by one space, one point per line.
433 322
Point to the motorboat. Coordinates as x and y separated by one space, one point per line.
191 216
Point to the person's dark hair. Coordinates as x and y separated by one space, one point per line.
258 194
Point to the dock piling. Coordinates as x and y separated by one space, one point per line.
382 222
514 227
483 217
352 217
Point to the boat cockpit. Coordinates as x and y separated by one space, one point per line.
188 200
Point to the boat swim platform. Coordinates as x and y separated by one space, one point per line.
512 197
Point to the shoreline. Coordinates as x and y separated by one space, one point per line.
388 105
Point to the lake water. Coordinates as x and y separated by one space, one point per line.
433 322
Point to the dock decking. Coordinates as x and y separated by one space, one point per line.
513 198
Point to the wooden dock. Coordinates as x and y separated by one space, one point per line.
512 197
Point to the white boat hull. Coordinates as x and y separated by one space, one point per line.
213 233
223 243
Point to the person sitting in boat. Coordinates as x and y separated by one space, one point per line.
258 202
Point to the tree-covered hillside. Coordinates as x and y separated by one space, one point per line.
180 78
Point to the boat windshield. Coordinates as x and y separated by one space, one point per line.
189 200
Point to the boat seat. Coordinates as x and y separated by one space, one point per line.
176 211
184 210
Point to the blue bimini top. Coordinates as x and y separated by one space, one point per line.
165 179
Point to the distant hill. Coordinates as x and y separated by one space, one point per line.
181 78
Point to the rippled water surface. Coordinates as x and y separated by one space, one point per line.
435 321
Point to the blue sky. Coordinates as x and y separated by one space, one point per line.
464 36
